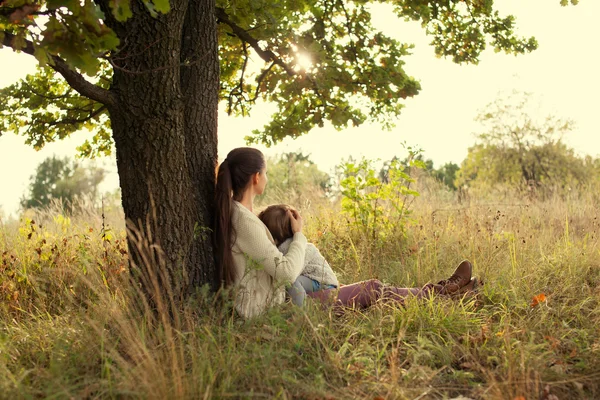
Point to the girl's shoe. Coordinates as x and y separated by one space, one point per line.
460 278
470 289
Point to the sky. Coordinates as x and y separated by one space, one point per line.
561 74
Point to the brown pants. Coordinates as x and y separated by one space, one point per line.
364 294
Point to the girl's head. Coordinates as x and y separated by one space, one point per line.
277 219
244 169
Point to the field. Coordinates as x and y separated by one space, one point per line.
72 327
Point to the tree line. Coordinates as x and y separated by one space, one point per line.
513 150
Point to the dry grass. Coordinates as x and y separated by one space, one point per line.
71 327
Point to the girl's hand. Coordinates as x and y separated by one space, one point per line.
295 220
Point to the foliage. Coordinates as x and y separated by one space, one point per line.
58 179
516 149
321 60
44 108
65 333
378 207
446 174
294 172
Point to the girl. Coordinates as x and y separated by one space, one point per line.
316 274
249 260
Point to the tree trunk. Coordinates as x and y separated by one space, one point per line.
166 79
200 82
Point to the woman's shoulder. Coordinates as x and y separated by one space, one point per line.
240 212
248 224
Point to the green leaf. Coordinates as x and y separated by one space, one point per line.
111 41
41 55
151 9
18 41
56 4
121 9
162 6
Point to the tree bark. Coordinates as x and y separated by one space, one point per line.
200 81
166 79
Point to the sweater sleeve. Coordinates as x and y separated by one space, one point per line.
254 243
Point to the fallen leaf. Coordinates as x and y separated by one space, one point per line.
467 365
540 298
573 352
554 342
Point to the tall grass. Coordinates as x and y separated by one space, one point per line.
72 326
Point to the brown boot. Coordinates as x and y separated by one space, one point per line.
470 290
473 286
461 277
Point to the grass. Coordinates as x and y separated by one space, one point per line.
71 327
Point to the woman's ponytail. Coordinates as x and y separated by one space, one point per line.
224 229
233 177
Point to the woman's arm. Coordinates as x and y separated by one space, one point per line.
253 241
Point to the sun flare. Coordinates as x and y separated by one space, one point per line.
303 61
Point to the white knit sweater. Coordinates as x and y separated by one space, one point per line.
262 271
316 266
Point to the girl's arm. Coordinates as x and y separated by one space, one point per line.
317 267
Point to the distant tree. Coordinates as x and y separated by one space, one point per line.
59 178
518 150
293 172
414 160
446 174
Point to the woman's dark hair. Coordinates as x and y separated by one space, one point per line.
277 219
233 176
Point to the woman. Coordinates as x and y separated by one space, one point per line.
249 260
246 254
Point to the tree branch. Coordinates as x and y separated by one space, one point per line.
350 31
260 80
243 34
238 90
73 121
73 78
47 97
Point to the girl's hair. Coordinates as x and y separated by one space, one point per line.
233 176
277 219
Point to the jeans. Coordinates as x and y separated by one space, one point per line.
303 285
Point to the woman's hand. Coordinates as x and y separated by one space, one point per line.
295 220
